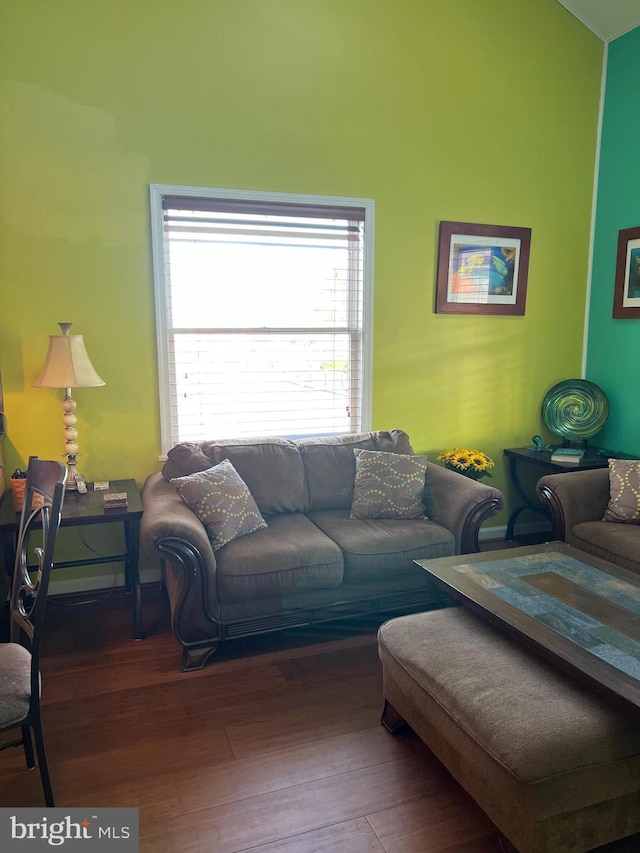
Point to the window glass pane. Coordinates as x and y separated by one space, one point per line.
261 271
229 385
239 286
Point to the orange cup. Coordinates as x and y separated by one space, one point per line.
18 489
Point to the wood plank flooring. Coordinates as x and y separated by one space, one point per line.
275 746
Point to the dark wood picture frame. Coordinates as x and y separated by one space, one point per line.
626 296
482 269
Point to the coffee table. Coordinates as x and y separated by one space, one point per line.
578 611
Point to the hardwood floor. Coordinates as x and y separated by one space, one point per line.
275 746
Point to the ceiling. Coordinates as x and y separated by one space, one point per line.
606 18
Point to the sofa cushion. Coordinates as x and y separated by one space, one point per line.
330 464
392 441
330 468
290 554
624 491
184 459
388 485
374 547
223 503
616 543
271 468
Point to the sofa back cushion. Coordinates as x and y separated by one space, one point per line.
271 467
288 476
330 463
184 459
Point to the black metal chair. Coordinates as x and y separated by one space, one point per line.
20 658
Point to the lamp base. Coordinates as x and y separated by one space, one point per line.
75 481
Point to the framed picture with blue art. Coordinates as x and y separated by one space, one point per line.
482 269
626 298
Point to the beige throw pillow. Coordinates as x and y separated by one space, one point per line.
388 485
223 503
624 491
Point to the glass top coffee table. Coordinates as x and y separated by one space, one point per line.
578 611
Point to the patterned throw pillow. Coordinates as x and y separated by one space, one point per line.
223 503
624 491
388 485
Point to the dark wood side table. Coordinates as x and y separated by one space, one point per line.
80 510
521 458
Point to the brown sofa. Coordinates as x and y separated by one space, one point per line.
312 563
577 502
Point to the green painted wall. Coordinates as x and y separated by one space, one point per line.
612 360
474 110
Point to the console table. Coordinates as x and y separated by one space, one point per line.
79 510
594 457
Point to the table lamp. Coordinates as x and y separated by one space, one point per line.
68 366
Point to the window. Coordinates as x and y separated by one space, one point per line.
263 310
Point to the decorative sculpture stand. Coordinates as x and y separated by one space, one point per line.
75 481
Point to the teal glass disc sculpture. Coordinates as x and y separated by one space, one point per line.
575 409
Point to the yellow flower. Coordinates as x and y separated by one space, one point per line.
461 459
480 461
469 462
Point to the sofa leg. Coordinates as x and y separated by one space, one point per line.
197 657
391 719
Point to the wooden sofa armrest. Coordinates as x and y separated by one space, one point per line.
574 497
173 533
460 504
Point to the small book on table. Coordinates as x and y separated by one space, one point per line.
115 500
567 455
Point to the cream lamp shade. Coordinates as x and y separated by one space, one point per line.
68 366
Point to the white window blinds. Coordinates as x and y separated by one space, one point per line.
263 309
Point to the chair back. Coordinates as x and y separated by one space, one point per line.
41 512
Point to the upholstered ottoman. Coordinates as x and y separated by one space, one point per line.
555 766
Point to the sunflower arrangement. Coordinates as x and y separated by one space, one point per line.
471 463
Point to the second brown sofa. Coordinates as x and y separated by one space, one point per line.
577 502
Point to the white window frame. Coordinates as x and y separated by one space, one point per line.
156 193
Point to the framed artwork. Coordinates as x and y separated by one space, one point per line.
626 297
482 269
